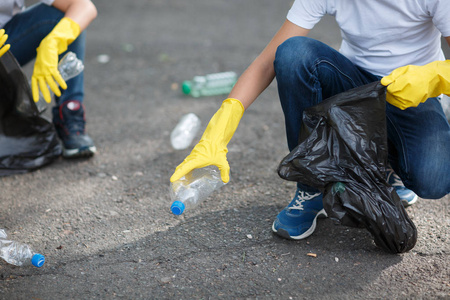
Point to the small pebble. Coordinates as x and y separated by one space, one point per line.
165 280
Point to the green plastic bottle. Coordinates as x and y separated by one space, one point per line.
210 85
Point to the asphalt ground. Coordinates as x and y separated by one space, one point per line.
104 223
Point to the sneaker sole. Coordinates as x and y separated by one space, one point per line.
407 203
283 233
77 153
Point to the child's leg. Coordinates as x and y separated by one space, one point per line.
26 30
307 72
419 148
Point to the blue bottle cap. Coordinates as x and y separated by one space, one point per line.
38 260
177 207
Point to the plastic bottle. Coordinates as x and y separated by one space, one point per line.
185 131
196 186
69 66
18 254
210 85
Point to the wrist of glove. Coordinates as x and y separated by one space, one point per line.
411 85
212 147
46 66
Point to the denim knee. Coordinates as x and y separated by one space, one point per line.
294 52
430 184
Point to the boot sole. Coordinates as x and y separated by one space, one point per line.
81 152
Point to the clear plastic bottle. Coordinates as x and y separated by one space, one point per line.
18 254
184 133
210 85
69 66
196 186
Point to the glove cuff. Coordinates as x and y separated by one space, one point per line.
224 123
236 105
65 32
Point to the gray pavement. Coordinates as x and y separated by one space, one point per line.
104 224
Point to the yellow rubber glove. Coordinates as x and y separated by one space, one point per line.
212 147
3 38
46 65
410 85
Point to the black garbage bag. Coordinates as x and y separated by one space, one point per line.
27 139
342 152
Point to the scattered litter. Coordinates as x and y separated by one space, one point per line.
103 58
249 236
185 131
210 84
336 259
127 47
114 178
312 254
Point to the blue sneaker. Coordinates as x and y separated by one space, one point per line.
407 196
69 122
298 220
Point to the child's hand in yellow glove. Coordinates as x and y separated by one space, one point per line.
410 85
46 66
212 148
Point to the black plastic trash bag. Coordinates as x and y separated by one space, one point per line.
27 140
342 151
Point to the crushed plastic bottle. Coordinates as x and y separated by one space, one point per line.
19 254
210 85
69 66
184 133
191 189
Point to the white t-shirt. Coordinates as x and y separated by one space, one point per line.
382 35
8 8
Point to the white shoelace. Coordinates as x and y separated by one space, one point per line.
302 197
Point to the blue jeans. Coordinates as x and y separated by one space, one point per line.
308 71
25 32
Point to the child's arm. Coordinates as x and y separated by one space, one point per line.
260 73
212 148
83 12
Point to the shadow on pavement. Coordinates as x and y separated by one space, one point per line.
230 254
